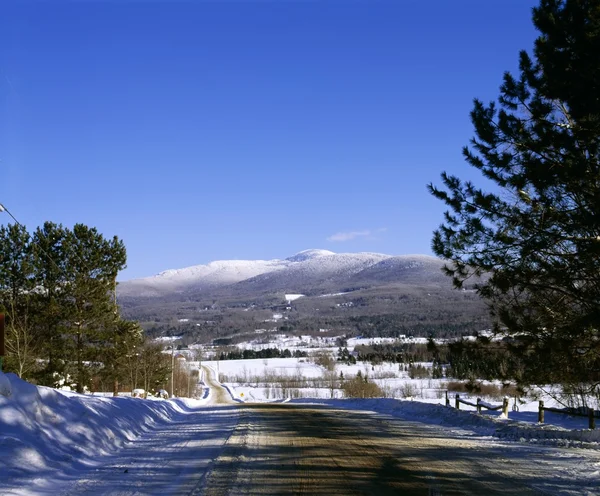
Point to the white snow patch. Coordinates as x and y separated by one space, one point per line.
292 297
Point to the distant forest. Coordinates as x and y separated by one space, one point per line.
378 312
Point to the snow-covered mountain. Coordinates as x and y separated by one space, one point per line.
306 269
308 255
213 274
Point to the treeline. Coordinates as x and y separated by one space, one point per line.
266 353
483 359
402 352
389 327
479 358
63 327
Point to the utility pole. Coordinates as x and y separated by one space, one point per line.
172 366
189 381
115 343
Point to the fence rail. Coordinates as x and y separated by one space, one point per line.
591 415
480 404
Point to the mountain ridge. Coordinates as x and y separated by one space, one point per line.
365 293
306 268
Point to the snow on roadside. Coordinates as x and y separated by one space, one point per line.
470 422
43 429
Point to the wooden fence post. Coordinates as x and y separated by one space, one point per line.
541 413
505 406
478 405
592 418
457 402
447 399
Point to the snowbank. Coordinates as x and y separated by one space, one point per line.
43 429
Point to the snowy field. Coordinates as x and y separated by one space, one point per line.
249 380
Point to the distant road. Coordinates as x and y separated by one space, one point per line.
218 394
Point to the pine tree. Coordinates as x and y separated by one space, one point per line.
535 238
92 267
120 352
58 288
49 260
155 366
16 294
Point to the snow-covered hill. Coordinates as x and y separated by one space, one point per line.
308 255
306 269
218 273
314 275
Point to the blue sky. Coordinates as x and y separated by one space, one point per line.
205 130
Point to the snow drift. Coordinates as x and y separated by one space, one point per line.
43 429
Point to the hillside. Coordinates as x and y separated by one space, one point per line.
344 293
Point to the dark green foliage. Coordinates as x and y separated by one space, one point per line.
400 352
345 356
17 298
58 287
418 372
50 277
88 312
483 359
437 371
535 238
266 353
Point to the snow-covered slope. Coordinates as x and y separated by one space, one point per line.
218 273
313 274
308 255
408 269
302 270
49 436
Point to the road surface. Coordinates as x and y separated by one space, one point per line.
229 448
296 449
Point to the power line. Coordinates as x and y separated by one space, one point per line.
4 209
60 270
